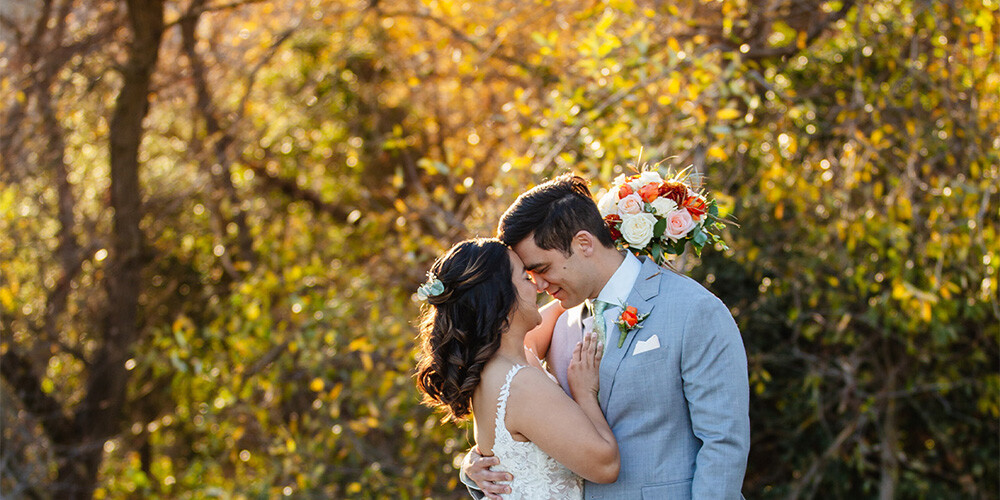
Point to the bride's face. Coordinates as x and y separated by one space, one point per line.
527 294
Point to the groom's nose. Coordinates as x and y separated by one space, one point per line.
540 283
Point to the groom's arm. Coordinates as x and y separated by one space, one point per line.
714 373
477 477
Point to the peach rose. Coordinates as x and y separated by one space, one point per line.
679 224
630 205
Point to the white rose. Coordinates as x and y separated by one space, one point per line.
608 203
638 229
630 205
647 177
618 181
663 206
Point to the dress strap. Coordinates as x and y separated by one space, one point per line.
502 399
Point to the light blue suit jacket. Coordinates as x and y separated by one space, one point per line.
680 411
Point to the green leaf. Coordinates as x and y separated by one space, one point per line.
656 251
659 228
699 237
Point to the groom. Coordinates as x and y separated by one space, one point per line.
674 389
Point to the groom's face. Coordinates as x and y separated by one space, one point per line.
553 272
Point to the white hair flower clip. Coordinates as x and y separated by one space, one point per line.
432 288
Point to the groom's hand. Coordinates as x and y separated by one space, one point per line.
477 468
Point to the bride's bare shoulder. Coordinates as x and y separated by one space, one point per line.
532 383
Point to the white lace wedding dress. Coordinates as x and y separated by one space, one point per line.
537 476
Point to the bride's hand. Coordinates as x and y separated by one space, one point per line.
584 369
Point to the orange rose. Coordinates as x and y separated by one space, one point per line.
649 192
630 316
624 191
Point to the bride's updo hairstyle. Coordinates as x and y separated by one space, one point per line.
460 328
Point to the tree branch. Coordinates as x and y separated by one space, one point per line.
20 374
814 32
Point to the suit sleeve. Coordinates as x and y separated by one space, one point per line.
474 490
714 375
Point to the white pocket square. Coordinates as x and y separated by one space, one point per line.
646 345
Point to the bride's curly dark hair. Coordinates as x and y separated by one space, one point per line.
460 328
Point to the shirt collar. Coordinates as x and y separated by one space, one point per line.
619 287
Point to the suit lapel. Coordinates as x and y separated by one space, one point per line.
647 286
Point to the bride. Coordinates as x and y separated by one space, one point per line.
481 303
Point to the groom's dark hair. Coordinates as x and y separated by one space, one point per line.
553 212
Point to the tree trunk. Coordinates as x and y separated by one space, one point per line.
100 413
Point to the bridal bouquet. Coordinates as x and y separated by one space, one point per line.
653 216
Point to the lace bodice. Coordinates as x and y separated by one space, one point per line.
537 476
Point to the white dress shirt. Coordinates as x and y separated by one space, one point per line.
617 290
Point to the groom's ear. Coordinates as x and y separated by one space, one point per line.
583 242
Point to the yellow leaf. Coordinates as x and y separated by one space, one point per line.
925 311
7 298
672 43
316 385
727 114
717 153
337 388
360 344
904 211
674 85
899 291
253 312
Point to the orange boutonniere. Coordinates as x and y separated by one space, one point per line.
629 321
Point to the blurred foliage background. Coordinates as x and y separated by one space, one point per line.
214 214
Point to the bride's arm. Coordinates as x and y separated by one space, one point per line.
538 339
574 432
